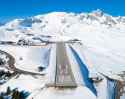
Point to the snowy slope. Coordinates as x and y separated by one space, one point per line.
57 23
29 58
101 34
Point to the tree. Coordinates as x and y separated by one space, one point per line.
1 97
24 94
2 62
16 94
8 90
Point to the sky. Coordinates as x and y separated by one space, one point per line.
10 9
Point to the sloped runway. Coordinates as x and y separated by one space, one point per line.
64 76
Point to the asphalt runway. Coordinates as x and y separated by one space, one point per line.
64 76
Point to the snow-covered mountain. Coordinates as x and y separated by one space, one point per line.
101 34
61 23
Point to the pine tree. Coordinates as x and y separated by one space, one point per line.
16 94
1 97
8 90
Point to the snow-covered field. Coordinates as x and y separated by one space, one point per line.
29 58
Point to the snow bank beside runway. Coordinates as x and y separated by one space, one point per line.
51 70
99 62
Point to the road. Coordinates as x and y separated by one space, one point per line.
64 76
11 66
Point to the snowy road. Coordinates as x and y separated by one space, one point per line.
64 76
